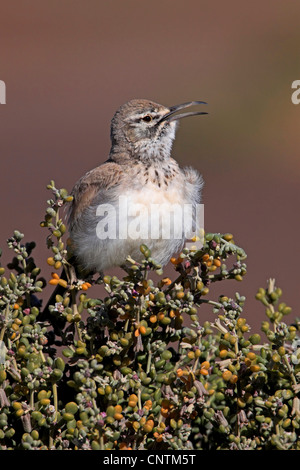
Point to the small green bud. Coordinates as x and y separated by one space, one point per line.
68 416
59 363
95 445
71 407
145 251
57 374
166 355
255 339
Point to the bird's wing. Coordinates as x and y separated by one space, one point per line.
103 177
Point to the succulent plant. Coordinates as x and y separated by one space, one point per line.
138 369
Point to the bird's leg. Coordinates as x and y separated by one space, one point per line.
70 273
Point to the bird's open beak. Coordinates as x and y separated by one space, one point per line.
171 116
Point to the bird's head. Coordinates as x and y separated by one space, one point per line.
147 129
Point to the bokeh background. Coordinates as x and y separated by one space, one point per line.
69 64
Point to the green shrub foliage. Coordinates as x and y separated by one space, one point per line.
137 368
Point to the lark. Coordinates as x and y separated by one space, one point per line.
141 173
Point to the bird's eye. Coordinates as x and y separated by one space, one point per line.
147 118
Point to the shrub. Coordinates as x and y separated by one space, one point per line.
138 369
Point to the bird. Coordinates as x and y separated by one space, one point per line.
141 173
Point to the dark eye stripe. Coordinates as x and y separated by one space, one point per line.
152 118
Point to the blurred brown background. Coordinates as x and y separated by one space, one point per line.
69 64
